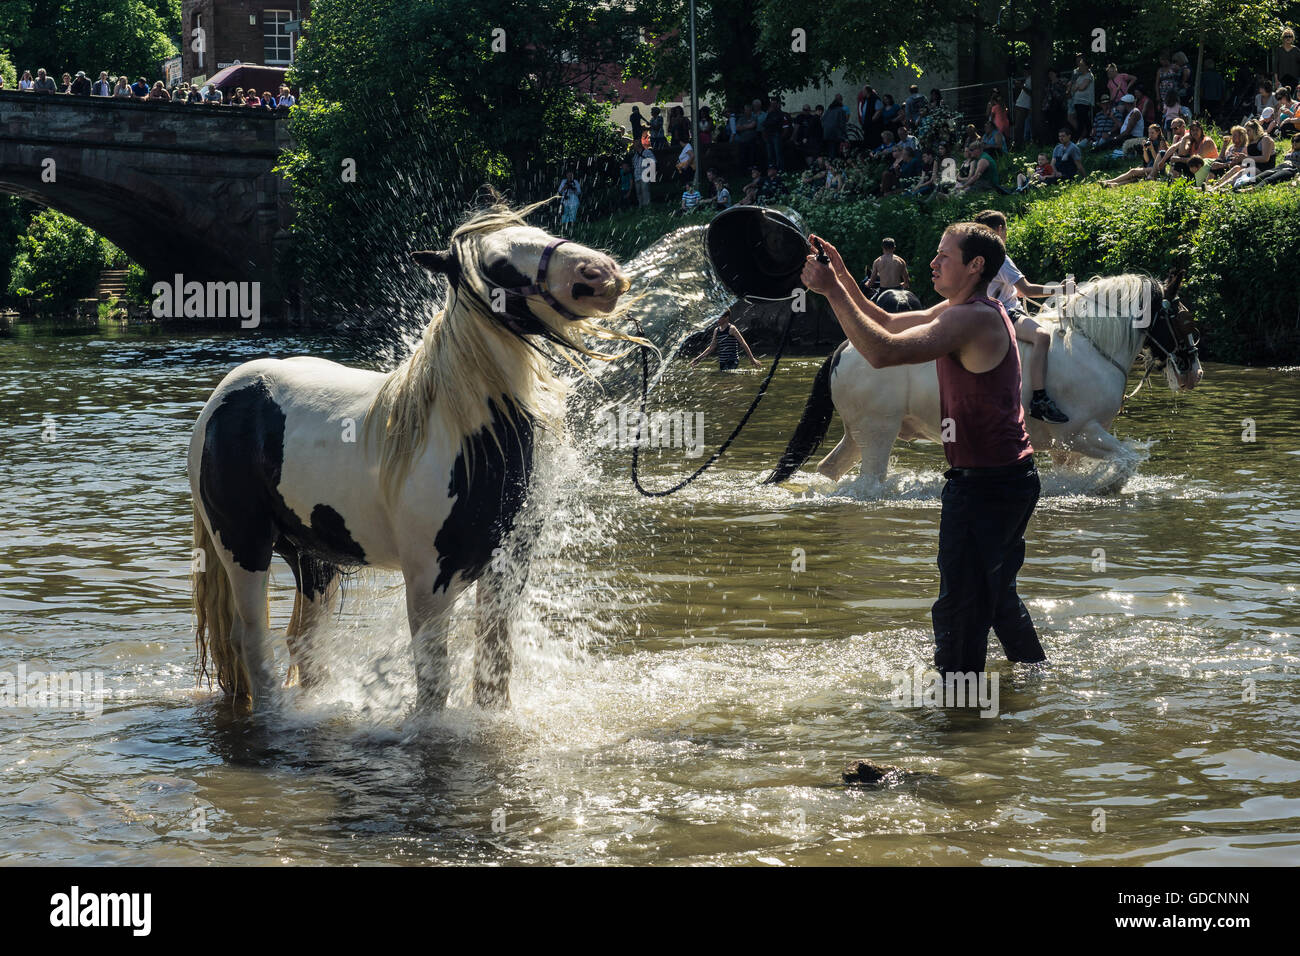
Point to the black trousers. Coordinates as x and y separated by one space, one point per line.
981 549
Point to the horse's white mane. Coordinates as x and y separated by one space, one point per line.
466 358
1103 310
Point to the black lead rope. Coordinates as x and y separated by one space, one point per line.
645 395
762 390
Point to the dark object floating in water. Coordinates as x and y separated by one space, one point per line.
757 252
862 773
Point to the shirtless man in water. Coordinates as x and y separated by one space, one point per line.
992 485
887 272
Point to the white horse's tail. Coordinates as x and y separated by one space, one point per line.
813 423
214 610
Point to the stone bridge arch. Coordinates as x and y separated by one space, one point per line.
180 188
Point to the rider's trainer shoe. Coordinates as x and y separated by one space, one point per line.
1044 409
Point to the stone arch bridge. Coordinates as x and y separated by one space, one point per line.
180 188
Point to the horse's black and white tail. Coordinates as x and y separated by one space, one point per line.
214 611
816 419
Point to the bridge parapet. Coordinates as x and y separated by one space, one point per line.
181 188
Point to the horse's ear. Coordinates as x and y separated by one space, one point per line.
442 262
1174 281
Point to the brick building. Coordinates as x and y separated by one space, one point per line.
237 31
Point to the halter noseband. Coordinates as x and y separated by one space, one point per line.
541 287
1190 349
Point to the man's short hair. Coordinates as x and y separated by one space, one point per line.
975 240
991 218
1066 130
887 243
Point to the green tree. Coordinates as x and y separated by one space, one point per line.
58 261
123 37
748 49
407 108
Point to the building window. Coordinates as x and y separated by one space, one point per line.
275 42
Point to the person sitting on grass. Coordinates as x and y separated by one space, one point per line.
1103 125
749 195
1193 142
907 168
1007 287
1285 170
983 170
727 342
1234 152
1261 157
1283 114
690 200
721 194
1036 175
1153 148
1067 158
929 180
772 188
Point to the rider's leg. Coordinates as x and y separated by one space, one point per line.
1039 339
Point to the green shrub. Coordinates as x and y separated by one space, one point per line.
7 71
58 262
1238 249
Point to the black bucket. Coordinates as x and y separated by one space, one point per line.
757 252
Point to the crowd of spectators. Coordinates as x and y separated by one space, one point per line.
157 92
923 149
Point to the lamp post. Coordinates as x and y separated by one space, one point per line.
695 107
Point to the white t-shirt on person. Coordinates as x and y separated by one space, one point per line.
1003 286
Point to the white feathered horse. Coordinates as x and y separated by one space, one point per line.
1104 328
424 469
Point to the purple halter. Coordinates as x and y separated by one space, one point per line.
540 287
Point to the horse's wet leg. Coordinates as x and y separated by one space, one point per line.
839 462
249 633
317 583
496 600
429 616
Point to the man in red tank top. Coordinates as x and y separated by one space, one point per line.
992 482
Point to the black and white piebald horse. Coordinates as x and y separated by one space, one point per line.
1096 336
424 469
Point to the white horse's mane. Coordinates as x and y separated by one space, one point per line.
1103 311
467 358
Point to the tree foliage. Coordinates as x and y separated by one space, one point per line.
748 49
58 261
130 37
412 97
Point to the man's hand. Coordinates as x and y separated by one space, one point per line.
823 276
836 260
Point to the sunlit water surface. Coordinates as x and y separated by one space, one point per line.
692 672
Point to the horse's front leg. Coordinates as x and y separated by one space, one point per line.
429 615
1095 442
840 461
495 601
500 589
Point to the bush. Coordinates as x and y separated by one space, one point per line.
7 71
58 262
1237 247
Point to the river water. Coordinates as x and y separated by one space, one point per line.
693 672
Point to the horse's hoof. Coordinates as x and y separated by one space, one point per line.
862 773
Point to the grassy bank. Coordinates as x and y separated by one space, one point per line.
1240 249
